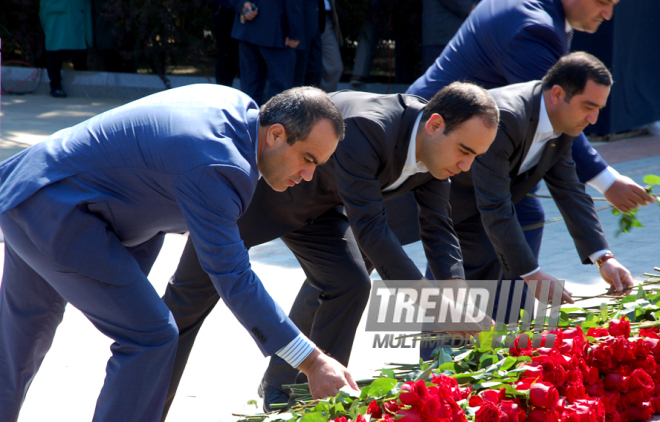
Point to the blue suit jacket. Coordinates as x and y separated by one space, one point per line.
276 20
181 160
505 42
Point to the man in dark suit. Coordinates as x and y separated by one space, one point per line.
268 32
440 21
539 120
509 41
84 214
394 144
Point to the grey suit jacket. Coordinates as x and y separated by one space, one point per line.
493 185
370 158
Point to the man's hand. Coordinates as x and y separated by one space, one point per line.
249 11
325 375
616 275
291 43
540 275
626 195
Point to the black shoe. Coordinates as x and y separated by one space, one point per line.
271 396
58 93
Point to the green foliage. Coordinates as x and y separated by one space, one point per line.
628 220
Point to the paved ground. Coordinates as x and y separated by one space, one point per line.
225 367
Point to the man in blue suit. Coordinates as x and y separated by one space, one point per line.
268 32
504 42
84 214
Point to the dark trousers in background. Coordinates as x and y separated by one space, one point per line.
55 59
226 67
260 64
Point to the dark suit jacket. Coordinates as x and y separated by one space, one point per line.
276 20
505 42
370 158
493 185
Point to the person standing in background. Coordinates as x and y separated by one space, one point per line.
226 66
331 40
68 31
268 33
440 21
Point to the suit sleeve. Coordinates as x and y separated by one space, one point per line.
295 19
440 241
528 57
490 175
576 207
356 166
211 199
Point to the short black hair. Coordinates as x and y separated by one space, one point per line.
458 102
573 71
298 109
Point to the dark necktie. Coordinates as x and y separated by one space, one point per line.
569 39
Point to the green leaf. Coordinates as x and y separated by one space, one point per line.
252 402
508 363
603 311
652 179
486 341
381 387
388 373
314 417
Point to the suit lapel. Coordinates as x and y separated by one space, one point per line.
402 139
533 124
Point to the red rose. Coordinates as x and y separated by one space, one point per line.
391 406
360 418
611 400
574 332
634 397
374 410
408 415
494 396
341 419
487 412
572 391
597 332
542 415
643 411
413 393
640 379
512 410
652 332
619 327
516 350
595 390
614 417
544 395
614 381
601 356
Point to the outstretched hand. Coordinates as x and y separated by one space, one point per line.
541 275
326 376
617 276
626 195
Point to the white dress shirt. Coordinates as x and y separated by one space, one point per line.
411 166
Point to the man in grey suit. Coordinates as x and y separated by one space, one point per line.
395 144
539 120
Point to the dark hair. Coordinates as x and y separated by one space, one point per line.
573 71
458 102
298 109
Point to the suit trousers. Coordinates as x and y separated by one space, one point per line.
100 277
480 259
333 67
258 64
337 286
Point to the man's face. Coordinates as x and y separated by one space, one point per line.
283 165
587 15
447 155
582 110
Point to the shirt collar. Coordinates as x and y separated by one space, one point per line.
569 28
545 126
411 158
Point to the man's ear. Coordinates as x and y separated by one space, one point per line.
434 125
275 135
557 95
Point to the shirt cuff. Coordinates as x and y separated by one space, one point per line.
594 256
531 272
297 350
604 180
